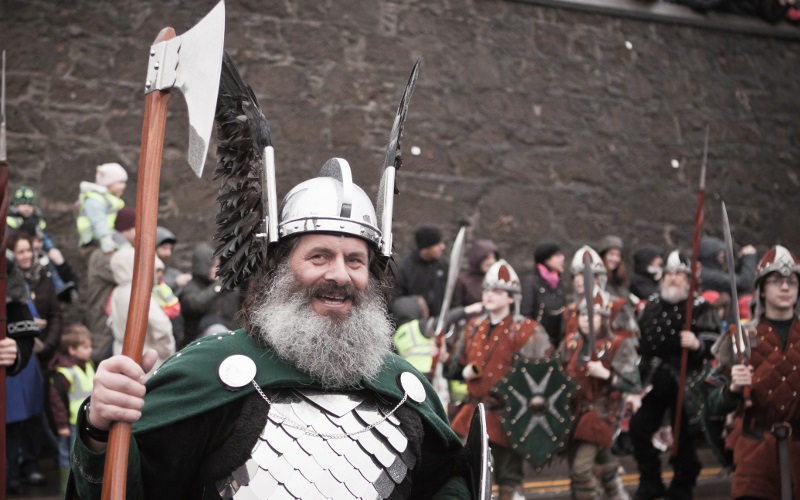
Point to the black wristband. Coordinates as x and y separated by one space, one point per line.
92 431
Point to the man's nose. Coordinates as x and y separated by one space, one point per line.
337 272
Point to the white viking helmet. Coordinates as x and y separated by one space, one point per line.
597 265
501 276
677 263
329 203
778 259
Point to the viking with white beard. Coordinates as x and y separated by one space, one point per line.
307 400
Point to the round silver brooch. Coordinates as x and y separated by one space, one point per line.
412 386
236 371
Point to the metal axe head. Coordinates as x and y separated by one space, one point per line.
191 63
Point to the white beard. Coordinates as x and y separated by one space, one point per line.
337 352
674 294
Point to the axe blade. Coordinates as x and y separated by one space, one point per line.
192 63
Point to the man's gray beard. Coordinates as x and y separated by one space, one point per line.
337 352
675 294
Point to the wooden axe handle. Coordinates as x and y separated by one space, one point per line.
155 118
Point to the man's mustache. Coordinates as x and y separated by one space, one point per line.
329 289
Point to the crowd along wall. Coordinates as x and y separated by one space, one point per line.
533 123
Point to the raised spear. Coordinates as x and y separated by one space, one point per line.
698 224
3 270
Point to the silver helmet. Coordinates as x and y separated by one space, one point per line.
597 262
778 259
501 276
329 203
677 263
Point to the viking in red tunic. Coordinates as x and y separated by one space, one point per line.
490 342
766 450
606 372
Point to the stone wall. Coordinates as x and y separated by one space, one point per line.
534 123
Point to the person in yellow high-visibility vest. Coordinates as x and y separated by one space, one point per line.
414 338
71 383
100 201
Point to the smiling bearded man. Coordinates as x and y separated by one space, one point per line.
338 350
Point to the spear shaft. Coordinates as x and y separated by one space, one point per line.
3 270
698 224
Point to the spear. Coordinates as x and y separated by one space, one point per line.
698 224
3 270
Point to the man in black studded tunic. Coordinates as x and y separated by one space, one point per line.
662 339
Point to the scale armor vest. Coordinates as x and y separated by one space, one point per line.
364 462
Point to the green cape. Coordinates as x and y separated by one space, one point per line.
188 384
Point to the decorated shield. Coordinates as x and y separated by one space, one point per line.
538 416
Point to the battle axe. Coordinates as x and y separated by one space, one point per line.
190 63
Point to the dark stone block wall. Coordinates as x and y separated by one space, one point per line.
534 123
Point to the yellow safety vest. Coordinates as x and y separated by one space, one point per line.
113 205
80 391
415 347
15 222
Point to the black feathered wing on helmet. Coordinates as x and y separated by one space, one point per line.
242 135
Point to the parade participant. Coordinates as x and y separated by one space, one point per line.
766 451
544 296
662 340
490 342
622 317
273 408
606 374
99 203
424 270
576 268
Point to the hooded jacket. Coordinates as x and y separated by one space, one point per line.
643 282
469 285
203 301
712 274
159 327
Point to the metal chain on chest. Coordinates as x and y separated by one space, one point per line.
305 429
